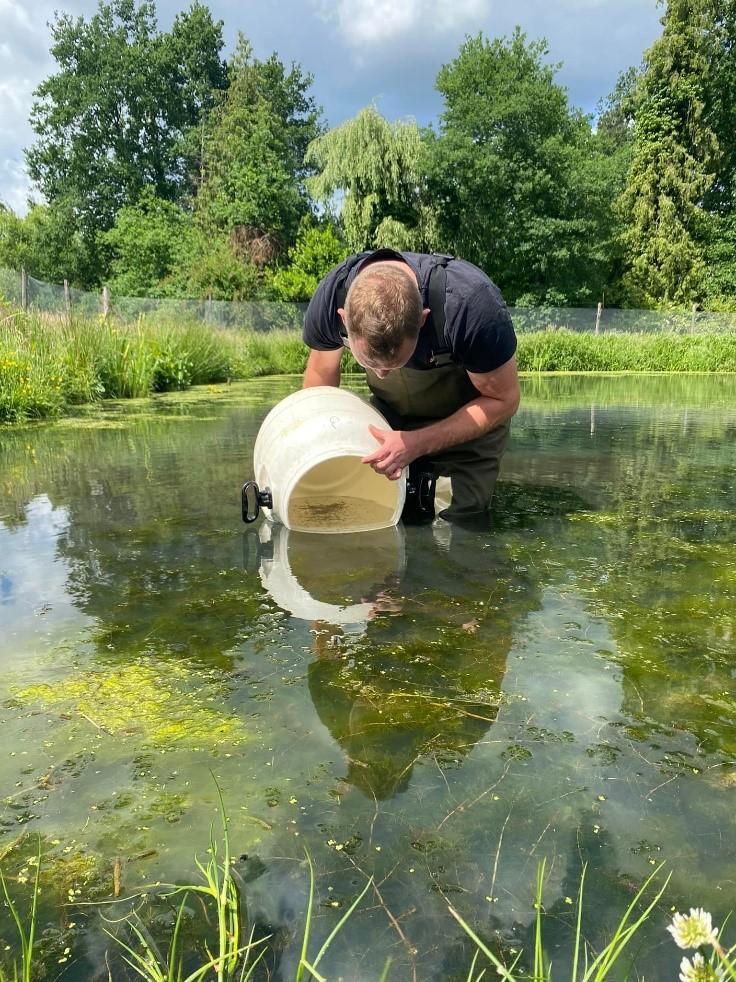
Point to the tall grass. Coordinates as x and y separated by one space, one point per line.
47 364
569 351
594 967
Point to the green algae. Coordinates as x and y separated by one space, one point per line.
590 626
151 702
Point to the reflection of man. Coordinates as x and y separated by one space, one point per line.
437 344
424 682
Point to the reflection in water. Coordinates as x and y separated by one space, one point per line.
340 579
394 701
438 707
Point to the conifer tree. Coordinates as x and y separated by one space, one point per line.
676 153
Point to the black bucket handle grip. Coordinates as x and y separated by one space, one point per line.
252 499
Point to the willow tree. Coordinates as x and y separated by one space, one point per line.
674 160
371 167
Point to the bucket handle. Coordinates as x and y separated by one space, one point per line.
253 499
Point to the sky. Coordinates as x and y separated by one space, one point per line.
359 51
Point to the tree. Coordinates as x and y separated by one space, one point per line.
521 187
147 242
674 160
373 166
720 199
110 122
720 87
46 244
615 127
159 250
252 149
317 249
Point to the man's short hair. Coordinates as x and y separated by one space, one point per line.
383 309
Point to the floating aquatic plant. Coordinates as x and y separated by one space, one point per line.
145 698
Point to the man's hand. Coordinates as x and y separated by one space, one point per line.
394 454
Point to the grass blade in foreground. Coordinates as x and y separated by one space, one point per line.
28 938
599 969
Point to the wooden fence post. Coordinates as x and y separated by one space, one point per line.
67 300
105 302
24 288
598 318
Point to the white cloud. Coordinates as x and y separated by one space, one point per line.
10 10
14 185
373 22
358 50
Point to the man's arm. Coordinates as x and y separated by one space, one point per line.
323 368
497 402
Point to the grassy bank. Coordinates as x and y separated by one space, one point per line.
48 365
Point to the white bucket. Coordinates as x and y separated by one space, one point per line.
341 583
308 470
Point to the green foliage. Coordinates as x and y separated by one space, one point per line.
315 252
214 270
720 257
47 244
720 84
675 151
110 122
252 149
568 351
46 366
159 250
375 166
526 190
615 125
147 242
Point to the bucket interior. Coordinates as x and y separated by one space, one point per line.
343 495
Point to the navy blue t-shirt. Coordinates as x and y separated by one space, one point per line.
478 328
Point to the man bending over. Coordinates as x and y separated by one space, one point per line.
437 344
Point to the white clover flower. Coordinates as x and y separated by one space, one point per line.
693 929
698 970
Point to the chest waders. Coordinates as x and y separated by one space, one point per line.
411 398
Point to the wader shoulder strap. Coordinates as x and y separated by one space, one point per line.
436 292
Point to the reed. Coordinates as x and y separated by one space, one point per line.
49 364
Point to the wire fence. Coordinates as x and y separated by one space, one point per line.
261 315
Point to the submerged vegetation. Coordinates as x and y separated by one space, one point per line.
180 948
48 365
137 699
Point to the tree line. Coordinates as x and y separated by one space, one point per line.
168 170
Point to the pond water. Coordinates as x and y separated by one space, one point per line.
438 708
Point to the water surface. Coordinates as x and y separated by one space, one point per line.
439 708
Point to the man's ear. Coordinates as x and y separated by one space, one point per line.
341 312
425 314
